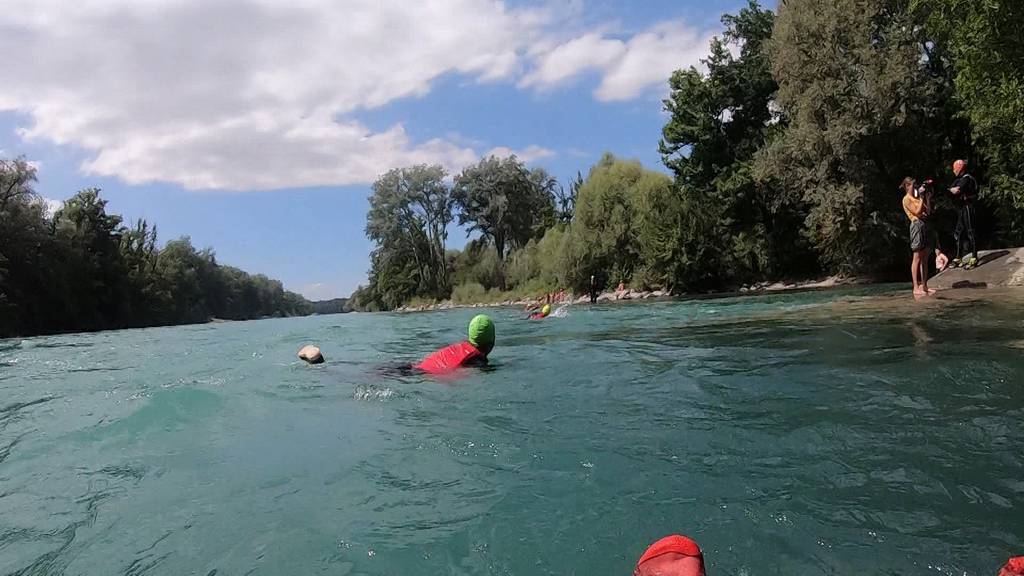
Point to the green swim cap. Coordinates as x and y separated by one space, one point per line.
481 333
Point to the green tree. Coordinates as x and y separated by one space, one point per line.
674 245
863 111
25 241
410 210
540 266
605 235
980 42
96 270
83 270
566 199
477 263
179 267
505 202
719 120
139 255
604 218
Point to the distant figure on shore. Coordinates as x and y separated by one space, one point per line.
965 192
917 206
593 289
545 311
472 352
671 556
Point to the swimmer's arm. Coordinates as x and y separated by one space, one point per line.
908 205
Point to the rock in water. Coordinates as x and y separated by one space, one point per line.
311 354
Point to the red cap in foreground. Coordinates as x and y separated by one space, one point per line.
671 556
1014 567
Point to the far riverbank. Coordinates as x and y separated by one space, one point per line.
633 295
997 268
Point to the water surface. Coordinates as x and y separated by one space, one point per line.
846 432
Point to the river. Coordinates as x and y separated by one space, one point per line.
840 432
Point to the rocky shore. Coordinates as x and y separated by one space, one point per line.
630 295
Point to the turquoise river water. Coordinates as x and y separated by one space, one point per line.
846 432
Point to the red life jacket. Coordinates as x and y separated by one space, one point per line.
449 358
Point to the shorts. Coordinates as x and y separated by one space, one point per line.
920 235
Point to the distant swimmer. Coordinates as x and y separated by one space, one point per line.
472 352
311 354
671 556
545 311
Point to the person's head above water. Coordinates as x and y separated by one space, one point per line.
671 556
481 333
545 310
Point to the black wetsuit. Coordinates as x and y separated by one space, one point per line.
965 214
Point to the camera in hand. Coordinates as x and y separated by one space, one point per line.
925 188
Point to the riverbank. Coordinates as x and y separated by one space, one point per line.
631 295
996 268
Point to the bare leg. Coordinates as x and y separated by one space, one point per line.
915 273
926 257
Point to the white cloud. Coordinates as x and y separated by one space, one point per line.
263 94
650 58
628 68
566 61
52 206
528 155
322 291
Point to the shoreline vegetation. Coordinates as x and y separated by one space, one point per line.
80 269
783 152
631 295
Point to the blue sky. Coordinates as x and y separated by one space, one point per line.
258 131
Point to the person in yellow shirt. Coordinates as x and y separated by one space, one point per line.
917 206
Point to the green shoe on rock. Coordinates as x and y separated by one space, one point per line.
971 263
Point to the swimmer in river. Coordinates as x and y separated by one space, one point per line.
472 352
545 311
671 556
1013 567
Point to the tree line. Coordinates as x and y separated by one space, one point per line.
785 152
82 269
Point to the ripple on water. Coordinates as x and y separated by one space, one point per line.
796 432
371 393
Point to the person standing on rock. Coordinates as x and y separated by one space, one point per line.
916 208
965 192
593 289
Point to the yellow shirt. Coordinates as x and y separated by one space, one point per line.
914 207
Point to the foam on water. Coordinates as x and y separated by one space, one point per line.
562 311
